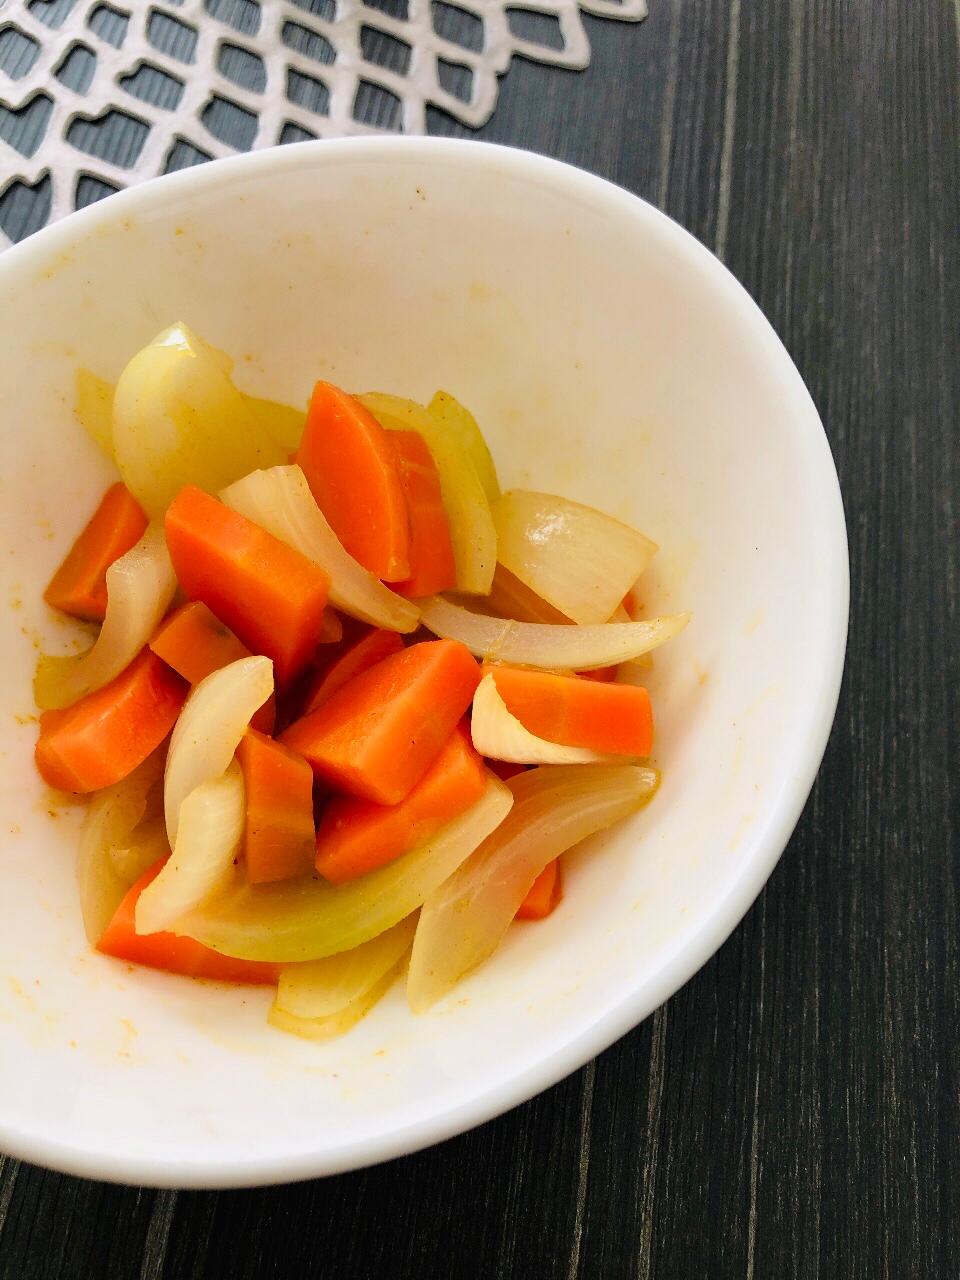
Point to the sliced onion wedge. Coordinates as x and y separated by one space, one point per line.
499 735
472 532
546 646
460 422
140 586
208 837
112 817
463 921
178 419
282 423
279 500
326 997
578 559
210 726
310 919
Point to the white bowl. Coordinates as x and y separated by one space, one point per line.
609 357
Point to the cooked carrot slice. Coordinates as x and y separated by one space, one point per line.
357 836
613 718
196 643
79 587
279 835
545 893
361 656
103 737
353 472
176 955
432 567
377 736
270 595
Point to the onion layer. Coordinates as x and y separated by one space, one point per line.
178 419
576 558
110 820
279 500
546 646
463 921
310 919
208 837
210 726
460 423
140 586
326 997
472 532
335 1024
499 735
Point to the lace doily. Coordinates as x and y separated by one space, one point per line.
96 95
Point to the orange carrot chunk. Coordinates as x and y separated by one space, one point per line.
545 893
279 834
431 554
195 643
270 595
353 472
79 587
104 736
175 955
357 836
578 713
377 736
366 653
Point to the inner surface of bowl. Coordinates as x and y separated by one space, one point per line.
607 358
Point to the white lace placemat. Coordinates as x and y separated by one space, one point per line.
96 95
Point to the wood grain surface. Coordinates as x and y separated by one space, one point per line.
792 1112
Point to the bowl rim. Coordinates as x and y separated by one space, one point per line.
784 811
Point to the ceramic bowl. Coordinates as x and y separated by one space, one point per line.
609 357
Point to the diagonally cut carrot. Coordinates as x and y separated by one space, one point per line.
103 737
279 835
270 595
79 587
377 736
176 955
196 643
578 713
545 894
357 836
432 567
361 656
354 474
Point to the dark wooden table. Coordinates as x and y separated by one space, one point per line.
793 1110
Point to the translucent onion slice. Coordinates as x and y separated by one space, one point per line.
210 726
145 846
472 531
320 988
326 997
499 735
462 923
94 408
208 837
112 816
460 422
576 558
279 500
310 919
546 646
140 586
178 419
336 1024
281 422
